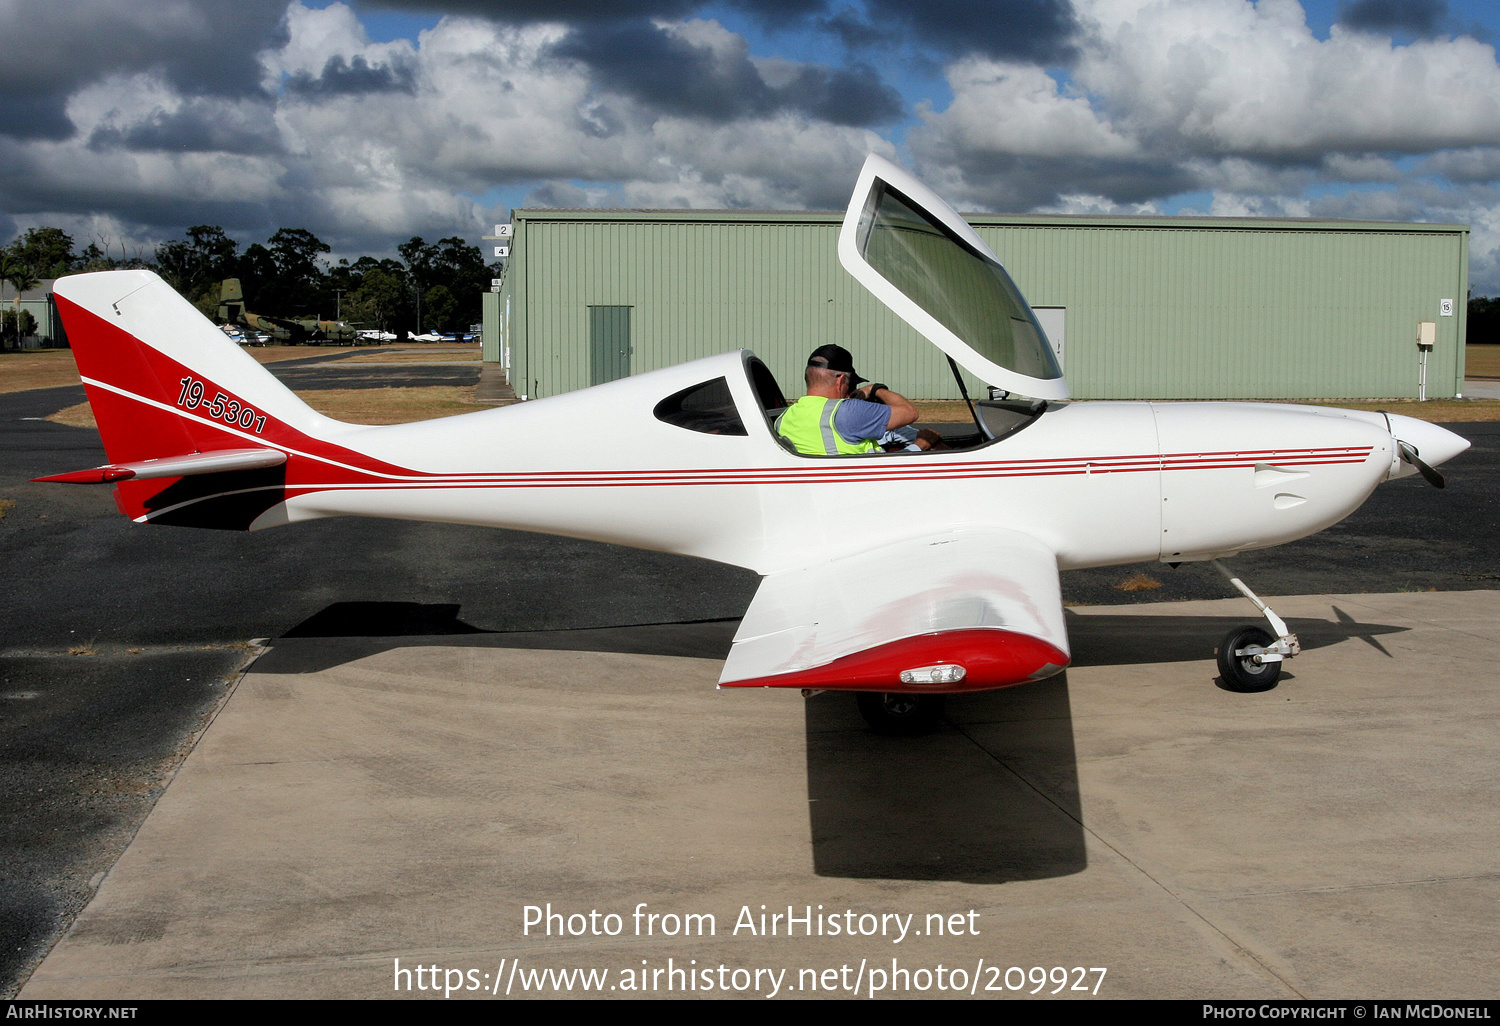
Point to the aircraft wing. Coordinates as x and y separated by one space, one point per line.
904 616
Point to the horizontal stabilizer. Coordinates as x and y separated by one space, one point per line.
216 462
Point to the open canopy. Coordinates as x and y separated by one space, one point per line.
912 250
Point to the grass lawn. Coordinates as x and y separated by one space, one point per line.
39 368
1482 362
48 368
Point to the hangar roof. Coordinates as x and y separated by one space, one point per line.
990 220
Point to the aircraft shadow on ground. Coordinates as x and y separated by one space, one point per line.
989 796
346 631
992 795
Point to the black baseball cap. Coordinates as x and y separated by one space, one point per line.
835 358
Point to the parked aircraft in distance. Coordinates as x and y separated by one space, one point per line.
901 576
295 330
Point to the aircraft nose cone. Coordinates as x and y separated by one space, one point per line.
1433 444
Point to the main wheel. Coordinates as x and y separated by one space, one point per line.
1244 672
893 712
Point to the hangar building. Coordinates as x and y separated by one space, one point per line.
1137 307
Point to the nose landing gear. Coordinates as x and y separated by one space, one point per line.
1249 658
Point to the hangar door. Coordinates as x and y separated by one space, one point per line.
1054 321
609 343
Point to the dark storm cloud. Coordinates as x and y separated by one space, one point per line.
1014 29
581 11
199 127
50 49
35 117
1416 17
341 78
847 96
1033 30
31 196
675 76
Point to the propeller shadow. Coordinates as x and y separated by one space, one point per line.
1124 639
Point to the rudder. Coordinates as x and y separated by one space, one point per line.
165 383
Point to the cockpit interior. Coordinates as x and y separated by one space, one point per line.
709 407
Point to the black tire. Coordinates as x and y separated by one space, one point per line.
1243 673
899 713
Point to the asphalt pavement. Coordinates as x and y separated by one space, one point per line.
121 638
321 374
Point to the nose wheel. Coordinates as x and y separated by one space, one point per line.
1250 658
1242 662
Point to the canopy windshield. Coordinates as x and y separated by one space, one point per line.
967 292
915 254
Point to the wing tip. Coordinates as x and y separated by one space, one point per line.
991 658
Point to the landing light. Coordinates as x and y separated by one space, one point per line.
947 673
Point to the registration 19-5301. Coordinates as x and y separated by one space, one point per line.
230 411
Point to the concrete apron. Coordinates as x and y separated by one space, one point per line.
1335 837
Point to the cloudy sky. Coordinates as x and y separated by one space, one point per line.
369 122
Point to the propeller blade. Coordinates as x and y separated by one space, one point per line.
1410 456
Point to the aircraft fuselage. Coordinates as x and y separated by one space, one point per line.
1098 482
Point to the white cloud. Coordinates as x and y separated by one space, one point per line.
492 107
1087 203
1228 76
367 142
1020 111
315 36
1484 248
1235 99
1222 78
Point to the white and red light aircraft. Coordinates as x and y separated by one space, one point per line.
960 594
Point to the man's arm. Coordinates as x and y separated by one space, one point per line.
902 411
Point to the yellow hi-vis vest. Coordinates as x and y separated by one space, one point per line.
808 425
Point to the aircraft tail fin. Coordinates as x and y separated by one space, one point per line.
231 301
168 389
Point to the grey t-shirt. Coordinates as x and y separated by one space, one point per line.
857 420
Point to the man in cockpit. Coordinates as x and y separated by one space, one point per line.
836 418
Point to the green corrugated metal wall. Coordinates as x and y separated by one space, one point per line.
1156 308
491 339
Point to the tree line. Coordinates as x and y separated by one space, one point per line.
434 286
1484 320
